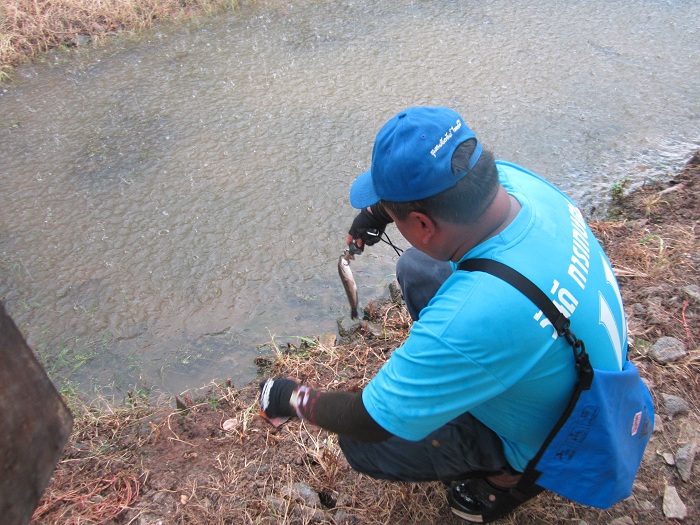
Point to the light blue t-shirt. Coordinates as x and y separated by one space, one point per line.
481 346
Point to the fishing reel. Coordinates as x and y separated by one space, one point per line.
371 236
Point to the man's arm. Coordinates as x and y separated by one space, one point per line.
340 412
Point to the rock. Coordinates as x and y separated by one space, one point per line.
344 500
674 405
278 505
149 519
303 492
81 40
639 310
312 515
165 500
327 340
658 424
640 487
343 517
395 292
667 350
645 505
346 331
673 507
373 329
663 290
669 458
684 460
637 224
229 424
622 520
693 292
657 313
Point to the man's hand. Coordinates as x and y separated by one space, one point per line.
274 397
367 227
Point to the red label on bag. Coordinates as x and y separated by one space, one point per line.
635 423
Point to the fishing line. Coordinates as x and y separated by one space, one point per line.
398 250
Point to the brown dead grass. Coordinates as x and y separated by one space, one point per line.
31 27
216 461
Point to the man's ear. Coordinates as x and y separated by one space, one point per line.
424 226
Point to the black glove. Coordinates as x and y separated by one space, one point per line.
274 397
369 225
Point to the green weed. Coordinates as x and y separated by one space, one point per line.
618 190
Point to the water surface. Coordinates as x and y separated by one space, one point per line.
168 204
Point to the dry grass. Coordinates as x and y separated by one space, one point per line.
148 465
31 27
99 478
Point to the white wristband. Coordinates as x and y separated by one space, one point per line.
299 398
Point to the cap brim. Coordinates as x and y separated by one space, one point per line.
362 192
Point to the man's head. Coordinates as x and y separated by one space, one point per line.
420 162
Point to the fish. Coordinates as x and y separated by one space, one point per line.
274 421
348 281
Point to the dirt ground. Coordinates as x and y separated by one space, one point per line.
208 457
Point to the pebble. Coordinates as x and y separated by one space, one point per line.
669 458
395 292
304 492
658 423
81 40
343 517
347 327
645 505
667 350
673 507
623 520
312 515
149 519
278 505
638 309
328 340
674 405
684 460
693 292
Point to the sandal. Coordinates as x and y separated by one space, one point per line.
478 501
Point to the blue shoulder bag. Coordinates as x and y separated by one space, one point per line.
593 453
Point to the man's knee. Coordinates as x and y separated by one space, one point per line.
420 276
408 267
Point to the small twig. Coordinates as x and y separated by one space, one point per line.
672 189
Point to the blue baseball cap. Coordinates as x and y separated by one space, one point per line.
412 157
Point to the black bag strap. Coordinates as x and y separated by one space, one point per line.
560 322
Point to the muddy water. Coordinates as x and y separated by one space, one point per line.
168 204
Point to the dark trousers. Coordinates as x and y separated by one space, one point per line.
464 447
